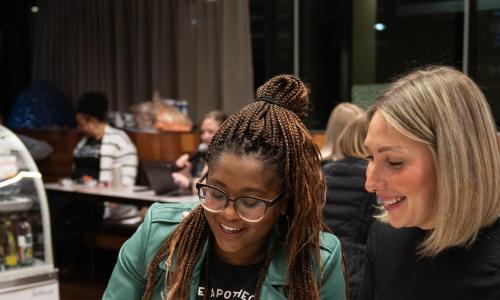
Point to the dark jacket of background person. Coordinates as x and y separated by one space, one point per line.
348 212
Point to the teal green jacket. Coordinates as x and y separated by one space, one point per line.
128 278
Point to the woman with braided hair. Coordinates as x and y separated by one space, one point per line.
257 231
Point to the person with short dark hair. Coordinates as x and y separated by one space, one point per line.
103 147
93 104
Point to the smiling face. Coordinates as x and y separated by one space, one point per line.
401 171
236 241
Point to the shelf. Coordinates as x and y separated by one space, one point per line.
16 204
38 271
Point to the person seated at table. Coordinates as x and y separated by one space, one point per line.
102 148
349 209
256 233
192 167
434 163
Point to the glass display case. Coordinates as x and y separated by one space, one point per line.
26 263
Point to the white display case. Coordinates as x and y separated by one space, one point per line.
26 271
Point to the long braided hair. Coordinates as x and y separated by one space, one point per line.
270 128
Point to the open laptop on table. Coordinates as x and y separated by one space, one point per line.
159 176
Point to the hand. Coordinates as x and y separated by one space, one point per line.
181 180
86 178
113 205
183 161
143 211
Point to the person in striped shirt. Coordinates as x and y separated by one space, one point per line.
103 148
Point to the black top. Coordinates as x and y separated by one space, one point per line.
349 208
227 281
87 159
393 270
348 212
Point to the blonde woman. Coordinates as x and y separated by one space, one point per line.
339 117
435 167
349 209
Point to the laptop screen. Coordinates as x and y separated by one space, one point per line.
160 178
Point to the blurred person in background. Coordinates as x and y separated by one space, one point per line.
339 117
102 148
349 209
192 167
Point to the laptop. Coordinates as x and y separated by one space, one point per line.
159 177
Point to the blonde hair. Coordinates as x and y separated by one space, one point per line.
218 115
351 142
339 117
445 110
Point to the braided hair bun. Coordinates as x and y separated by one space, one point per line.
287 91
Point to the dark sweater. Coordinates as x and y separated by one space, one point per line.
348 212
394 271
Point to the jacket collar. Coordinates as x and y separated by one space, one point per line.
276 274
278 269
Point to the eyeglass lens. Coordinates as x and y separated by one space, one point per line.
247 208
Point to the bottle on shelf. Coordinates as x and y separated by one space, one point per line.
24 241
35 219
10 246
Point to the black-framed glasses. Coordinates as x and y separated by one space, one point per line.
249 208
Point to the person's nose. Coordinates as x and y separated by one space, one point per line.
374 179
230 212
